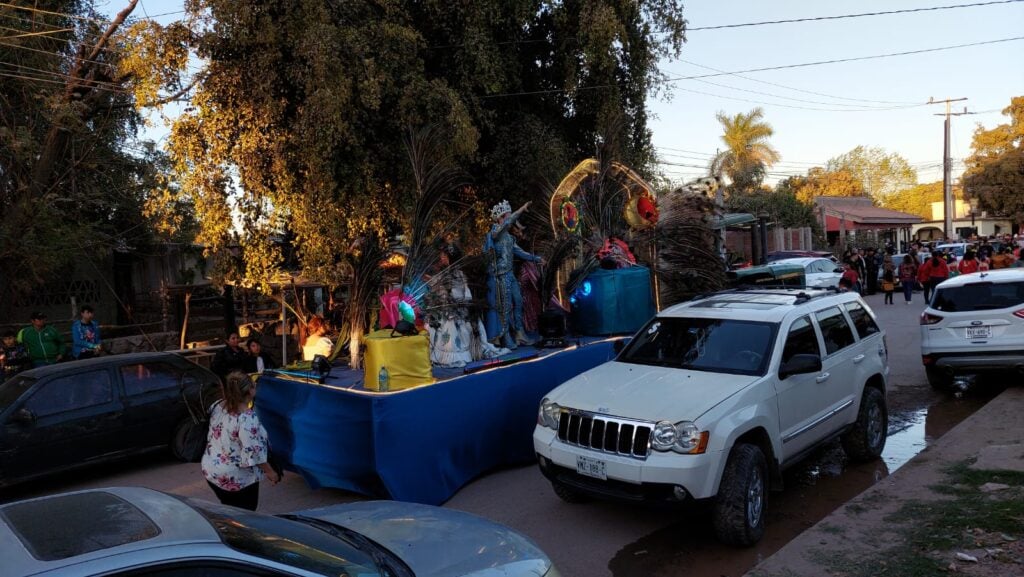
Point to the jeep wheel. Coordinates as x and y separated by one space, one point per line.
939 380
567 493
865 441
738 514
189 441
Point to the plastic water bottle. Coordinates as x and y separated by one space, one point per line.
383 380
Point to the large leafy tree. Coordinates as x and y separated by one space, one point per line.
995 169
822 182
748 154
298 120
918 199
73 181
880 173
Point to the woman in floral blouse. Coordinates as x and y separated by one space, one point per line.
236 446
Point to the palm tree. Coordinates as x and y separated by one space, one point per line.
747 155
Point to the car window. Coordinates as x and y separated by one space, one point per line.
824 266
69 392
979 296
862 320
146 377
801 340
13 389
834 329
714 345
198 568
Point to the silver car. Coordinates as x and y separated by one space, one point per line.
129 531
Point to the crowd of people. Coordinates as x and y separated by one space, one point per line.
868 270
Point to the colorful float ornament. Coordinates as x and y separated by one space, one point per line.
642 210
570 216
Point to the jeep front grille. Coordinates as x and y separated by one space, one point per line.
605 434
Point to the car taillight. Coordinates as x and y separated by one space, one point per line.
927 359
1019 314
929 319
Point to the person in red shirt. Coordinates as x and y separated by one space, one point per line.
934 270
969 264
850 274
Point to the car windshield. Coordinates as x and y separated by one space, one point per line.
713 345
12 390
979 296
293 543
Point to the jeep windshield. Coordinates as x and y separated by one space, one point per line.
700 344
978 296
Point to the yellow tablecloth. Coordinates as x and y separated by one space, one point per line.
407 360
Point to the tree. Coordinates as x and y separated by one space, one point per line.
747 155
73 180
781 204
880 173
822 182
918 199
995 169
297 121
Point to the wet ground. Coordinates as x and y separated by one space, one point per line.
814 488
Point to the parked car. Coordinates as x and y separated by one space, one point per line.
819 272
957 249
71 414
135 531
772 274
783 254
974 325
714 397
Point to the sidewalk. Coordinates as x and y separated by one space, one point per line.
918 519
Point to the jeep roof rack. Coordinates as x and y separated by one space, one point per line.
799 298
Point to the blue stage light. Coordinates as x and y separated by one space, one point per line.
586 288
572 300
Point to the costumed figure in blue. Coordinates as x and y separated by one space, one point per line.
505 303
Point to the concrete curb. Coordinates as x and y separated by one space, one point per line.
995 433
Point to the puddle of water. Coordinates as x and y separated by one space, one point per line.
815 488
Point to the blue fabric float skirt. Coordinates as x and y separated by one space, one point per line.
503 301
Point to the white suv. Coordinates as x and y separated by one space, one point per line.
714 397
974 324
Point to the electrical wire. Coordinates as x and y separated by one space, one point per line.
797 107
776 84
842 16
764 69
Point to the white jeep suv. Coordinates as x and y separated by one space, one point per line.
974 324
714 397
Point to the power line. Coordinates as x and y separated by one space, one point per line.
764 69
842 16
42 33
796 106
866 100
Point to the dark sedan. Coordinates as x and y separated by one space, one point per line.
72 414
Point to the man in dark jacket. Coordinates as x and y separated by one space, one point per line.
45 344
231 358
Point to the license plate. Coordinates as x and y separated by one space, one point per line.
591 468
979 332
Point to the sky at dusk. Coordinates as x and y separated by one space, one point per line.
819 112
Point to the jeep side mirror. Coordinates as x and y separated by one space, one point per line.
23 417
800 364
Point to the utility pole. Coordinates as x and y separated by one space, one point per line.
947 168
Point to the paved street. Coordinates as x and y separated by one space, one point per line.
612 539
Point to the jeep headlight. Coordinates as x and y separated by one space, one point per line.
682 437
547 415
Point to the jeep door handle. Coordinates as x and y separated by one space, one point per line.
822 378
858 358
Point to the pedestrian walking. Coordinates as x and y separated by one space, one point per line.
237 449
969 264
888 286
934 270
908 276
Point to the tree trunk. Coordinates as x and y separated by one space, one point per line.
184 322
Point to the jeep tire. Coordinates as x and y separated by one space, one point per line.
865 441
738 513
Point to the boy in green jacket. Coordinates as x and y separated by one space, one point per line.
44 343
